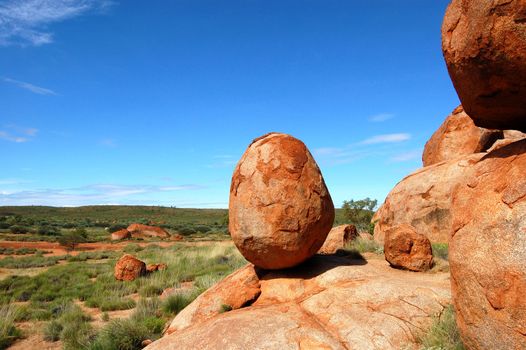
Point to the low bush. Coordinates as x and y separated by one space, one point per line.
16 229
443 333
177 302
365 246
8 331
440 250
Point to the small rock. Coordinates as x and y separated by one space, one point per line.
120 235
128 268
156 267
407 249
337 238
146 342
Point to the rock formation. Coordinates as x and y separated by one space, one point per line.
129 268
329 302
487 251
337 238
405 248
143 231
120 235
423 200
484 45
280 210
156 267
458 136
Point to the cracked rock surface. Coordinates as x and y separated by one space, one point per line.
328 302
280 210
487 252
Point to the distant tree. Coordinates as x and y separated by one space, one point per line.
17 229
71 240
48 230
116 227
360 212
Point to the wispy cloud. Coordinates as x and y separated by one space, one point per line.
89 194
17 134
30 87
387 138
26 22
381 117
406 156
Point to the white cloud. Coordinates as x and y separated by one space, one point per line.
18 134
30 87
406 156
387 138
25 22
382 117
89 194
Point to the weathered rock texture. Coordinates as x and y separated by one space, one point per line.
423 200
280 210
142 231
237 290
407 249
156 267
120 235
129 268
458 136
487 252
484 45
329 302
337 238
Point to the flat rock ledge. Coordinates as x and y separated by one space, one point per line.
328 302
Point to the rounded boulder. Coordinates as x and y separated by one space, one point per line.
484 45
280 210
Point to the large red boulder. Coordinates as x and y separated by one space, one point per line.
120 235
129 268
337 238
423 200
458 136
280 210
143 231
484 45
487 251
407 249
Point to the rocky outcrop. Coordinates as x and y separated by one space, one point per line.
405 248
280 210
487 251
423 200
337 238
156 267
120 235
144 231
484 45
458 136
128 268
329 302
237 290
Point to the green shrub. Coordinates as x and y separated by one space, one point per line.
176 302
105 317
132 248
8 331
120 334
362 245
48 230
16 229
52 330
116 227
440 250
443 333
150 290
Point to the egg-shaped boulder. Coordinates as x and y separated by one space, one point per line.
484 45
280 210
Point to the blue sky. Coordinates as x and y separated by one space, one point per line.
154 102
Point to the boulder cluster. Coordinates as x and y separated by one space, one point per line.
129 268
143 231
471 192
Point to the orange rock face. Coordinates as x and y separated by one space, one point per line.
141 231
484 45
156 267
407 249
235 291
337 238
487 252
280 210
423 200
456 137
120 235
329 302
129 268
